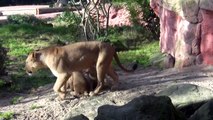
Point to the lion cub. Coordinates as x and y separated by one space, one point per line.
81 83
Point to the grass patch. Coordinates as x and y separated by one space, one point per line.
143 54
2 83
34 106
16 100
6 115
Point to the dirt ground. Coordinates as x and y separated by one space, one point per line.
41 103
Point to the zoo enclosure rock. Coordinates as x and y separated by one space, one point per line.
186 30
204 112
141 108
187 97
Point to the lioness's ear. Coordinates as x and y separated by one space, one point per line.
36 55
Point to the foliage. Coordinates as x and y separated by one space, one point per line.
6 115
2 83
34 106
68 18
16 100
142 55
24 19
152 26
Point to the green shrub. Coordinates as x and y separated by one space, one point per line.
16 100
34 106
24 19
2 83
6 115
67 18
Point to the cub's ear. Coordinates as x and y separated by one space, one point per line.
36 55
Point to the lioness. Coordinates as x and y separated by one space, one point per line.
63 60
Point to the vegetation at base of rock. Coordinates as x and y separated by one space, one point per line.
6 115
34 106
16 100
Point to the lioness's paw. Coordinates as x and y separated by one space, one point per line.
61 96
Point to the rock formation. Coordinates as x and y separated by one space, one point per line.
186 30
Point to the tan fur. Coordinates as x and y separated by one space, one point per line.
64 60
79 84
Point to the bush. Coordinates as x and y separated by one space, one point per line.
67 18
24 19
6 115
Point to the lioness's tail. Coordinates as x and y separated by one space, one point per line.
134 67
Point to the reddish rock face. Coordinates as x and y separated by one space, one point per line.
207 37
186 31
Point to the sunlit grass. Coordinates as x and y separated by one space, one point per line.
142 54
6 115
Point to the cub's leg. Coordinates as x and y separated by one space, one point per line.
80 84
61 81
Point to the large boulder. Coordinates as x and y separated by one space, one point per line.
87 109
187 97
141 108
186 30
204 112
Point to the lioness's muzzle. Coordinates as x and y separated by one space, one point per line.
29 72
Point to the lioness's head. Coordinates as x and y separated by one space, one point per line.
33 62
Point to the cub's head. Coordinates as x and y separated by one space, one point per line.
33 62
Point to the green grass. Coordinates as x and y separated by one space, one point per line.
6 115
2 83
16 100
143 54
34 106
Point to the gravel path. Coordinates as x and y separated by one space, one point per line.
41 104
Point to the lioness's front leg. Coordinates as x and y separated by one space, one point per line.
60 82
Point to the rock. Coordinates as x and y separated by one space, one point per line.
187 97
169 61
186 30
141 108
87 107
79 117
204 112
162 60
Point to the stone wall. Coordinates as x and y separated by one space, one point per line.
186 30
